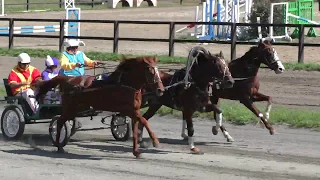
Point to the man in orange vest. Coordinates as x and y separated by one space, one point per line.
22 78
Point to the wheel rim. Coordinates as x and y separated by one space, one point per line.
54 132
120 127
11 123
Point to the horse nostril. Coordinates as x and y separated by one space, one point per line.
280 69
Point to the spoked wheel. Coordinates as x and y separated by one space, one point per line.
64 133
12 122
120 127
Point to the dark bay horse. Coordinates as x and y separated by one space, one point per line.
246 88
121 92
192 97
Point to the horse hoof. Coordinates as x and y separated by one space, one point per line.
184 137
196 151
271 131
144 144
60 150
137 154
214 130
156 144
230 140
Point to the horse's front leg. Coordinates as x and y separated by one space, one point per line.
249 104
183 130
60 122
217 115
188 116
261 97
150 132
153 108
135 124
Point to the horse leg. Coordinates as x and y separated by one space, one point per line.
261 97
188 116
60 123
135 124
249 104
226 134
183 130
150 132
150 113
217 115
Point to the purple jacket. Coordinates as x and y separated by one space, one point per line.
47 74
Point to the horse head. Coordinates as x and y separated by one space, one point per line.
211 67
268 55
143 68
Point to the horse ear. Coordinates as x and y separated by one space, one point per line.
155 58
221 54
122 58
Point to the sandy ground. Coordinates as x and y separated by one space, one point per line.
290 154
286 53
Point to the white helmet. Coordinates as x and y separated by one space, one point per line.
73 42
24 58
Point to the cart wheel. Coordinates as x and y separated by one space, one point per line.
64 134
120 127
12 122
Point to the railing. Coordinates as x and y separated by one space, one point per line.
171 40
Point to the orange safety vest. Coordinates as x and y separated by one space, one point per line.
23 79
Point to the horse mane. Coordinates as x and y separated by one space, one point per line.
248 53
124 61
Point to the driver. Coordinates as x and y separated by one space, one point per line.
21 79
72 60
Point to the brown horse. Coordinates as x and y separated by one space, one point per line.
246 88
186 97
121 92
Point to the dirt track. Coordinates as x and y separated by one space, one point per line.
290 154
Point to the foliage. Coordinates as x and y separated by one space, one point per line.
236 113
261 9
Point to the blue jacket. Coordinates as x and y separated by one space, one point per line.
74 58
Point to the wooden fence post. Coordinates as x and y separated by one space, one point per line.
233 40
61 39
115 36
171 39
301 44
11 30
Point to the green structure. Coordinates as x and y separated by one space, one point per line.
305 10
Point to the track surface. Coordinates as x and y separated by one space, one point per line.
289 154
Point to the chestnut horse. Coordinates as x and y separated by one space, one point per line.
189 98
244 70
121 92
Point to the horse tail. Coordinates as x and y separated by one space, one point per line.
45 86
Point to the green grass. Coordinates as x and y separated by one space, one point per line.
163 59
2 92
55 7
236 113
